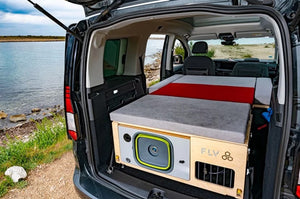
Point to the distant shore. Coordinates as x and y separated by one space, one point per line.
31 38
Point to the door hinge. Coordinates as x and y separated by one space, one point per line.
106 11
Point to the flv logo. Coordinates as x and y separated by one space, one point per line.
216 153
210 152
227 156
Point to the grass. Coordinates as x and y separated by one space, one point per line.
211 53
153 82
247 55
48 143
179 50
32 38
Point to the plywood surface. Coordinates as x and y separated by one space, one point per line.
204 150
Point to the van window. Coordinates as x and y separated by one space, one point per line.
261 47
114 57
153 53
179 49
179 54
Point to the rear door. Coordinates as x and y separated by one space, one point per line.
287 8
97 6
73 108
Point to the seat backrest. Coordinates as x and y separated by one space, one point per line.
250 69
198 65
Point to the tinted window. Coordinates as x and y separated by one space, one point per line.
114 56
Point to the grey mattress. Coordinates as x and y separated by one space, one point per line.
214 119
263 86
164 82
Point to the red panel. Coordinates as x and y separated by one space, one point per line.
68 102
73 134
209 92
298 191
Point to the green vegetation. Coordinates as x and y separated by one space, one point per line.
153 82
31 38
47 143
179 50
248 55
210 53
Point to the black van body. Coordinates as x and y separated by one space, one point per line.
92 94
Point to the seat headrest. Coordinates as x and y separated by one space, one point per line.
200 47
251 60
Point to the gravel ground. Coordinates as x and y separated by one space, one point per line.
53 180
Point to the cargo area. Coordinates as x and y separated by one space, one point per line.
211 127
202 130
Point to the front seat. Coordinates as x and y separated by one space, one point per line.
198 65
250 69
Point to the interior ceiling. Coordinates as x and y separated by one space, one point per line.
210 20
199 27
210 26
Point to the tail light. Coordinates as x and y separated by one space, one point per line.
71 126
298 184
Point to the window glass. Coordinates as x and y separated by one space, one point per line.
153 54
179 54
261 48
179 49
114 53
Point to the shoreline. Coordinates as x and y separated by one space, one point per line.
30 38
23 129
6 124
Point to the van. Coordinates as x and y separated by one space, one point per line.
222 120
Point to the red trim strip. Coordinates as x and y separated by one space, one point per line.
262 127
73 134
68 102
209 92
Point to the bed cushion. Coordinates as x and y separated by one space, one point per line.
164 82
231 89
217 80
213 119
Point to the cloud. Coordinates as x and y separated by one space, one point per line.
19 17
23 18
22 12
51 5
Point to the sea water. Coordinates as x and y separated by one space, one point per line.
31 75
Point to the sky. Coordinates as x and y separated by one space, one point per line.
19 17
